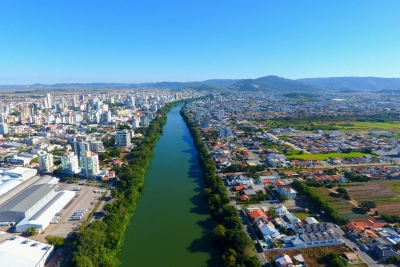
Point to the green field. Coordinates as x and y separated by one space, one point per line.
344 208
328 155
367 126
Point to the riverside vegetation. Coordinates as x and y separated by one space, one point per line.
235 247
100 241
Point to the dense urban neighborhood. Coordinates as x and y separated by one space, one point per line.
299 179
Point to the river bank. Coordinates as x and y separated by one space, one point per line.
171 226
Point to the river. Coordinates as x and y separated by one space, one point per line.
171 226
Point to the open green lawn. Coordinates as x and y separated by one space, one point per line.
301 215
328 155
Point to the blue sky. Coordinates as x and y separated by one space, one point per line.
148 41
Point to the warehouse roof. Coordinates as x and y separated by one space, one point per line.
8 185
27 198
21 252
20 171
43 215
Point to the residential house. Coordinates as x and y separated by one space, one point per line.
258 215
287 191
283 260
268 230
281 210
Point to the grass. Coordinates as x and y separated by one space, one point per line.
392 185
301 215
358 125
344 208
328 155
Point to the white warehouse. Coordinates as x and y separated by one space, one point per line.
23 252
42 217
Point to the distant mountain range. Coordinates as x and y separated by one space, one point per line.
267 84
271 84
354 83
171 85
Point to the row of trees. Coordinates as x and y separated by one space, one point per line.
318 201
235 247
99 243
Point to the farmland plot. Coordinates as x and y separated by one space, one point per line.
344 208
386 199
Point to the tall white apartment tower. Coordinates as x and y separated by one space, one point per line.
45 161
123 138
49 101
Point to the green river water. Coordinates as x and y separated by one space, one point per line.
171 226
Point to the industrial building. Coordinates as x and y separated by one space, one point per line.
34 206
20 172
8 193
43 215
14 177
23 252
24 204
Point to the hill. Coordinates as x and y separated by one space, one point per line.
170 85
271 83
354 83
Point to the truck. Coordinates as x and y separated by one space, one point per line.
77 189
54 222
82 210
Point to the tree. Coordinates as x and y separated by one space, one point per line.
368 205
56 241
283 198
81 261
229 258
114 193
31 231
343 192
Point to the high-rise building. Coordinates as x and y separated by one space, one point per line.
49 101
3 128
73 102
45 161
69 163
96 146
150 116
144 121
90 166
123 138
135 122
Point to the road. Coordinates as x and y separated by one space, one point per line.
250 233
101 206
361 254
277 139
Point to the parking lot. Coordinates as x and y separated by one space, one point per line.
84 199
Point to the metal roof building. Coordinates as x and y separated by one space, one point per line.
20 172
23 252
43 215
4 197
24 204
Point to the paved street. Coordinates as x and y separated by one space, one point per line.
361 254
